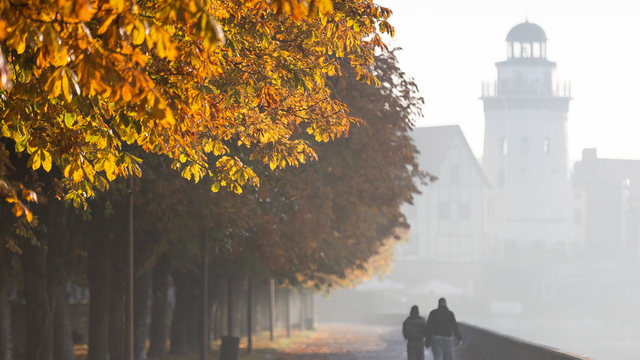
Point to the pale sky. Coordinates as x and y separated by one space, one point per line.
451 46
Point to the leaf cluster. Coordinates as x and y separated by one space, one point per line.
86 81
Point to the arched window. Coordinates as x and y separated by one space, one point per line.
545 146
524 146
504 146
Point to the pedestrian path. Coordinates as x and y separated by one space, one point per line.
349 342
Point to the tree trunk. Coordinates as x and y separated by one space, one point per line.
249 317
288 310
194 330
272 309
62 337
38 310
6 342
302 310
179 325
99 281
116 300
160 309
142 287
314 311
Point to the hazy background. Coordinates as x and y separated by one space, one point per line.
451 46
583 295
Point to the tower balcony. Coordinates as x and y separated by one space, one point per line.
530 88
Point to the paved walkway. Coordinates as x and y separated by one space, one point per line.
350 342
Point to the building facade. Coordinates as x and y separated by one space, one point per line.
447 218
525 149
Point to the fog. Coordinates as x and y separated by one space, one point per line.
531 229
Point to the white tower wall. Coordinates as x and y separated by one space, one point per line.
525 152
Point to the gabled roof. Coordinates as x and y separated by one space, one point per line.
434 144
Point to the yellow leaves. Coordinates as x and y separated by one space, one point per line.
269 97
209 30
118 5
233 174
139 57
161 41
40 158
139 32
106 23
107 161
193 170
74 170
65 81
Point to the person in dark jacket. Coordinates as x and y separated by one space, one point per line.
414 329
441 327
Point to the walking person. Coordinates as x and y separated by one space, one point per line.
414 329
442 326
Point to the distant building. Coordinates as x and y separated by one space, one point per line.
525 150
447 218
609 219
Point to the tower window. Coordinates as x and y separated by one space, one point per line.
545 146
504 146
524 146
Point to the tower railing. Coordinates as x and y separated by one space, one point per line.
557 89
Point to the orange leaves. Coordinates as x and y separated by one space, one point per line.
11 195
301 9
208 29
213 80
269 97
65 81
160 40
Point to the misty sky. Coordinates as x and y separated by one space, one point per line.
450 47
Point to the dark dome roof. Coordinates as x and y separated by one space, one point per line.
527 32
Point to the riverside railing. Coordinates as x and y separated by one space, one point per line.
482 344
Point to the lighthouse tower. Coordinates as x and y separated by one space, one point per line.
525 149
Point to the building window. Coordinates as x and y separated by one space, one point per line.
504 146
524 146
501 178
545 146
445 211
454 174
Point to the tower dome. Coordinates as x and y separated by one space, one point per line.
527 40
527 33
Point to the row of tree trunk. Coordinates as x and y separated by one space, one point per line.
167 306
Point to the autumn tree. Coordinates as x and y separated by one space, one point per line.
335 221
179 78
86 82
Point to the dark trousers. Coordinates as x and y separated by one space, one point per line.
415 349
